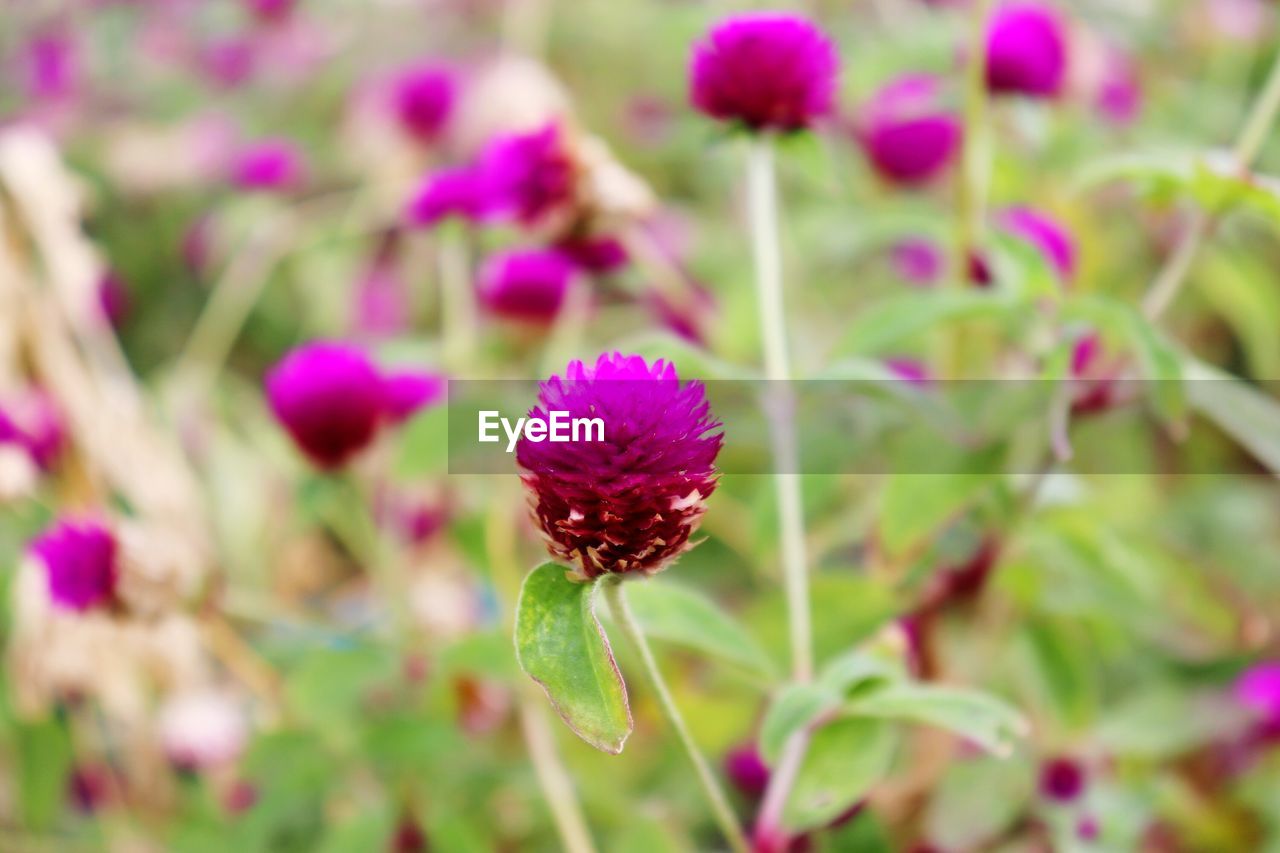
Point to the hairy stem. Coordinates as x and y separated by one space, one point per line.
720 808
1169 281
763 195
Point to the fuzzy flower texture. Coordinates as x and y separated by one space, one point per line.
80 563
767 71
628 503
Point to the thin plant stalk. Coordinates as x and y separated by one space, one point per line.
1169 281
769 834
719 803
457 297
975 152
554 780
763 197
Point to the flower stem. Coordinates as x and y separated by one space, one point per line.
1173 274
457 298
971 189
769 834
763 194
715 795
553 778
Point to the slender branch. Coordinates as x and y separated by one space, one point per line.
457 297
763 194
720 808
971 188
769 834
1169 281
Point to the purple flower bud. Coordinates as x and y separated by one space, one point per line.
270 164
528 176
113 298
1062 780
1053 241
767 71
1087 829
424 96
408 392
909 370
50 67
918 261
906 134
595 254
1026 51
228 62
270 11
239 797
629 502
1258 689
88 787
330 398
1119 93
688 319
448 192
79 557
526 284
747 770
381 302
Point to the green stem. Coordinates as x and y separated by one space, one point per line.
763 194
720 808
457 297
971 191
1173 274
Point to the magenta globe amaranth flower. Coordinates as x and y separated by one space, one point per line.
458 192
1258 689
407 392
907 135
270 164
1026 51
79 557
1062 780
918 261
528 176
529 285
629 501
767 71
1046 234
746 770
330 398
424 96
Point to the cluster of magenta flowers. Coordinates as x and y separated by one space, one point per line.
333 399
80 560
629 503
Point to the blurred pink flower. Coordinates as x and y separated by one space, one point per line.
407 392
270 11
228 61
909 370
907 135
1119 93
918 261
80 561
600 255
269 164
1026 51
1062 780
528 176
746 769
424 97
765 70
526 284
445 193
1048 235
50 66
1258 689
382 307
113 298
202 730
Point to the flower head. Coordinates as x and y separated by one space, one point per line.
1258 689
449 192
330 398
407 392
746 770
271 164
1026 51
630 502
51 67
1062 780
526 284
528 176
424 96
79 557
918 261
1119 92
1046 234
906 134
767 71
202 729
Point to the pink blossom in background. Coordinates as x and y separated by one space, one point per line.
1027 51
764 70
229 61
269 165
407 392
745 768
909 370
1119 94
688 319
80 563
1258 689
601 255
528 176
908 136
113 298
423 98
382 302
50 67
1044 232
1062 780
458 192
918 261
270 11
526 284
202 730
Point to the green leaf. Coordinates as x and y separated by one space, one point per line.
1242 412
796 706
44 760
424 444
845 759
678 614
887 324
979 717
561 645
915 505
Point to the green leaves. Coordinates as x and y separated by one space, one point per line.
979 717
844 760
1245 414
562 646
675 613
